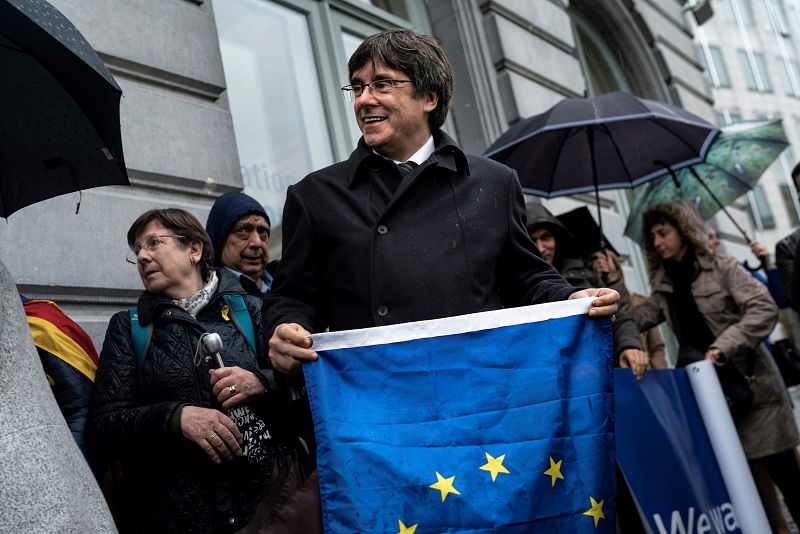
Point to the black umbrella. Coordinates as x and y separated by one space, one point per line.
587 235
607 142
59 109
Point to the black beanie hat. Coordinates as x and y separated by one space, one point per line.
226 210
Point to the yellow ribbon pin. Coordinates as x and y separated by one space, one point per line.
225 310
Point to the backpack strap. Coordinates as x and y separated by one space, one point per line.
241 318
140 335
244 323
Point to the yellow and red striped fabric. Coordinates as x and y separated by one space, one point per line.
59 335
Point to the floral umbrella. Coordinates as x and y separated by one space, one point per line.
733 165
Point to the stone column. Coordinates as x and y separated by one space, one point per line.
45 483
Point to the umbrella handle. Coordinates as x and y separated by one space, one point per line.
756 268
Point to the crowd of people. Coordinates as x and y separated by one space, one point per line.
198 421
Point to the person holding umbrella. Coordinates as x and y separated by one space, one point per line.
720 313
732 167
551 237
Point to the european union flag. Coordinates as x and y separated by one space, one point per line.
492 422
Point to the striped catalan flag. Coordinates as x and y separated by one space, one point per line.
59 335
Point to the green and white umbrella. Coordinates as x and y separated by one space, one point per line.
733 165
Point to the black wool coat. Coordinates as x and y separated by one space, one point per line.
624 328
450 240
788 262
169 483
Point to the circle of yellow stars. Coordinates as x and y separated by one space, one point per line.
495 466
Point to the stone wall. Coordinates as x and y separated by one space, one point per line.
179 147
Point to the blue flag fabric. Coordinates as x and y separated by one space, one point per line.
666 456
493 422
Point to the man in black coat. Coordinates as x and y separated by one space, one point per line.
787 258
551 237
409 227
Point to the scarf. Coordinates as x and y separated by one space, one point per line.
688 323
198 301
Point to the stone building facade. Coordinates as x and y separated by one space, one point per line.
751 49
220 95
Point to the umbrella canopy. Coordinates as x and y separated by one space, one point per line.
607 142
587 236
59 113
735 162
611 141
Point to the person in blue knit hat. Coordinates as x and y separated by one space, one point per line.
239 229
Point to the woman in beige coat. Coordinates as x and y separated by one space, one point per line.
719 312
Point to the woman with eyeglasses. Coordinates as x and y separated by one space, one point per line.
196 436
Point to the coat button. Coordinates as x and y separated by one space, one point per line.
383 311
231 520
382 229
168 312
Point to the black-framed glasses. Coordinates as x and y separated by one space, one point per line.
381 86
151 244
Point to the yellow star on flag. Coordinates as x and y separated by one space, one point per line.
406 530
445 485
494 465
554 472
596 511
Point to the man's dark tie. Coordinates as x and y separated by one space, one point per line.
406 167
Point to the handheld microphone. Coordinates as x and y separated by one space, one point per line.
212 344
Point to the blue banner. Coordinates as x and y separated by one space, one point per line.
502 430
666 457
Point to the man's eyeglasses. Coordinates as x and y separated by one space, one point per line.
381 87
151 244
244 231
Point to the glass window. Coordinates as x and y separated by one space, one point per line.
747 70
755 71
738 10
720 76
777 16
351 42
791 76
761 68
274 95
744 9
788 193
728 117
760 209
794 65
603 65
750 212
727 9
395 7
